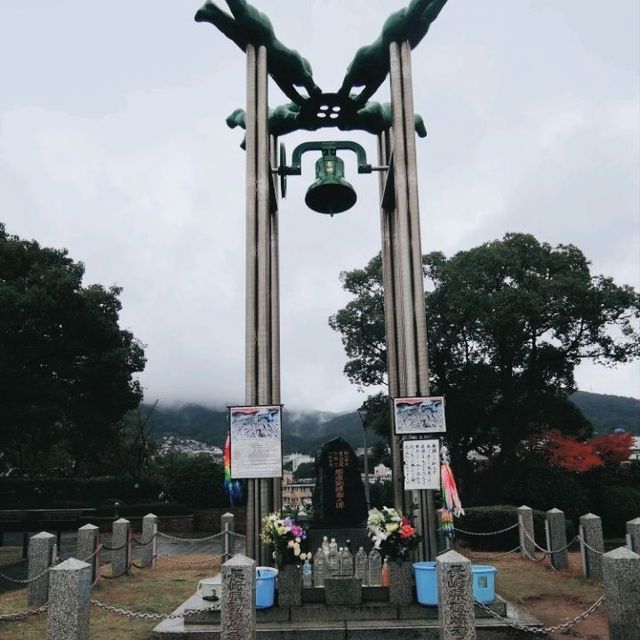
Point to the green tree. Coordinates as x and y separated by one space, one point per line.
508 322
66 368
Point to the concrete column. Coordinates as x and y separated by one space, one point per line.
149 533
227 525
455 597
40 557
621 573
120 544
591 545
238 608
69 601
86 545
525 520
557 538
633 535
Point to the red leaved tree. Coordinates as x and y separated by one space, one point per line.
571 454
616 447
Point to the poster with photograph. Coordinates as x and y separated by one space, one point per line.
419 415
421 459
256 442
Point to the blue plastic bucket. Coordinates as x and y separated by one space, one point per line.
265 587
426 582
484 583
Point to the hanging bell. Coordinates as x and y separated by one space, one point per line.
330 193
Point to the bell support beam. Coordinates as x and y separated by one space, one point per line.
403 282
262 360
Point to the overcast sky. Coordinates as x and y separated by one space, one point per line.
113 145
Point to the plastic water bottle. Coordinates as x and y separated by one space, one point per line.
307 580
346 565
325 546
361 568
386 573
333 563
319 568
375 568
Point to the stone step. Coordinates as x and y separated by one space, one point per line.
321 622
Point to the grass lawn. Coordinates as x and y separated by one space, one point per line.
158 590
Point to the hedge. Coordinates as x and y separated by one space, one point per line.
495 518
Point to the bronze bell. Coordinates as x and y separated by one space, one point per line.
330 193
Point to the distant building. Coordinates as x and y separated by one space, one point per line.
296 493
381 473
296 459
635 449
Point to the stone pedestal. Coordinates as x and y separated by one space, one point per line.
633 535
592 545
557 538
148 538
40 556
455 597
87 543
400 583
343 590
525 519
290 586
120 547
238 608
69 601
621 573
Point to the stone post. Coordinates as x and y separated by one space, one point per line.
591 545
69 601
525 520
633 535
455 597
120 547
238 607
149 532
40 556
87 543
621 572
227 525
557 538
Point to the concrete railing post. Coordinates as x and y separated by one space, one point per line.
455 597
621 573
238 607
40 555
69 601
591 545
86 546
556 529
525 520
120 543
633 535
227 526
149 533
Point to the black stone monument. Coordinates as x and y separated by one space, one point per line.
338 497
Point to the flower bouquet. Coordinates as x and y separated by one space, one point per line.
286 536
392 533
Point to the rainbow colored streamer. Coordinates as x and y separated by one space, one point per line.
450 500
232 487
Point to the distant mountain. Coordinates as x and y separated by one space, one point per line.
306 432
303 432
607 413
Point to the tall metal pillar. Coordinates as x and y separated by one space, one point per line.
403 280
262 359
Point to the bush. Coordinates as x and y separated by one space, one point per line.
534 482
617 505
142 509
498 517
196 482
21 493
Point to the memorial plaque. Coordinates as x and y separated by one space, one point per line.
421 460
338 497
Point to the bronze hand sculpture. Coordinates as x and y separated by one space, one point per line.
370 65
247 25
